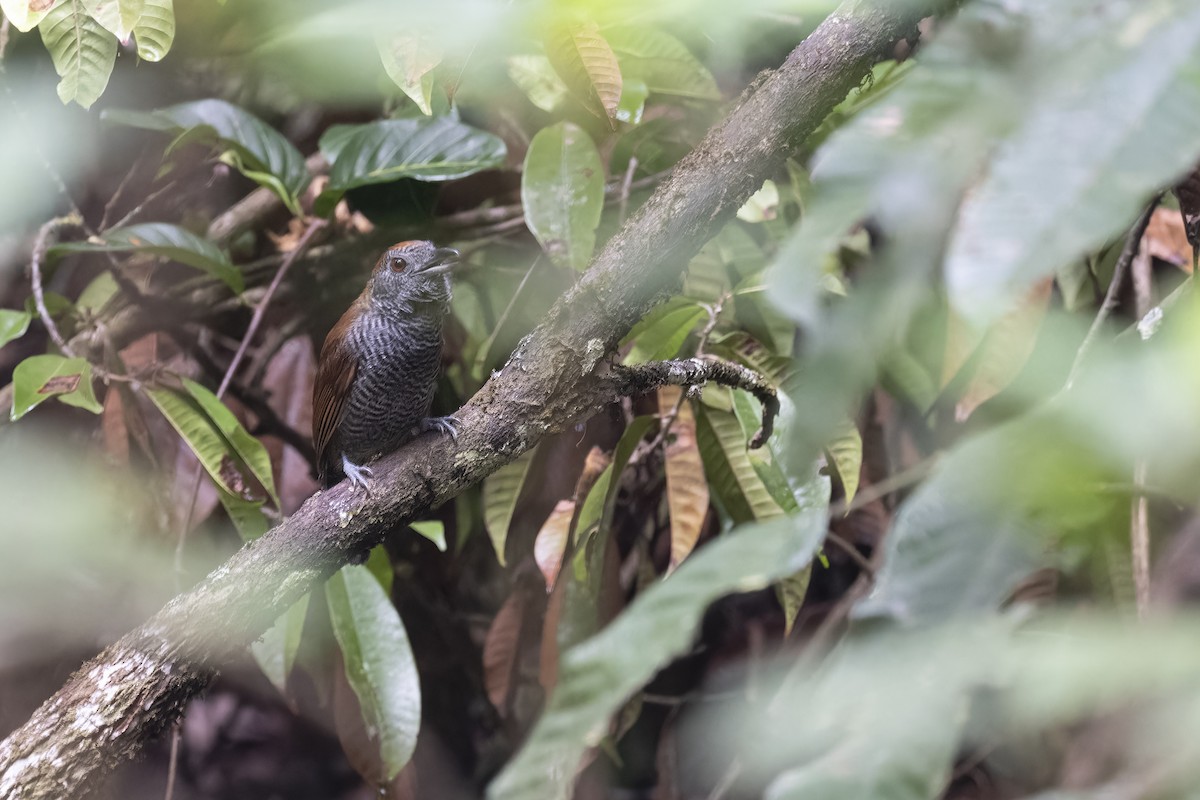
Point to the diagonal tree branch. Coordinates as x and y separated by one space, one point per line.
558 374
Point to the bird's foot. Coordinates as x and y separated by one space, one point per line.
358 476
447 425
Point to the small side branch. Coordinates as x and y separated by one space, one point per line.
695 372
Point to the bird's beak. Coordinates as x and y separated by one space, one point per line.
444 259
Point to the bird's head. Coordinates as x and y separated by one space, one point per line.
414 272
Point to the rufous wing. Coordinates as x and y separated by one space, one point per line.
336 370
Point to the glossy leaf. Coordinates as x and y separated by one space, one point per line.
587 65
379 663
500 492
13 324
38 378
687 489
155 29
166 240
248 144
600 674
409 60
661 62
83 52
426 149
562 192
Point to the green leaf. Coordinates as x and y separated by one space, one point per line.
663 331
155 30
215 452
39 378
379 663
253 146
116 16
275 651
587 65
500 492
409 60
250 450
534 76
437 149
22 14
166 240
600 674
1064 183
13 324
731 474
433 530
379 564
661 62
844 454
83 52
562 192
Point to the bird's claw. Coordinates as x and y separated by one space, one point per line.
358 476
447 425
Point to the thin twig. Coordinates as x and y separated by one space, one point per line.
486 347
136 210
889 485
626 183
118 193
41 244
1132 243
858 558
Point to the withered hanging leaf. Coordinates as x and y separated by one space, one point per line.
500 650
687 489
551 541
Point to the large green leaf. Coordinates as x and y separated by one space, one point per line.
13 324
379 663
275 651
1109 128
219 457
83 52
587 65
661 61
250 145
600 674
409 60
500 492
663 331
155 29
162 239
250 450
732 476
437 149
38 378
562 192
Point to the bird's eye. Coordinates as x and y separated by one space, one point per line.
399 264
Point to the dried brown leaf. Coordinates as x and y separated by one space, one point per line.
500 648
687 488
551 541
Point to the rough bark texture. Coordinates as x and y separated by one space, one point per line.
558 374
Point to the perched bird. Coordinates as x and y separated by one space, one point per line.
379 365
